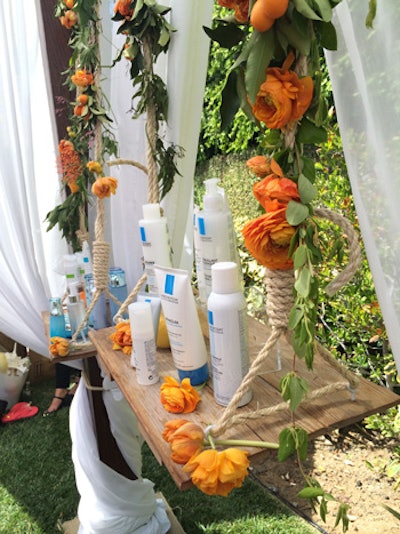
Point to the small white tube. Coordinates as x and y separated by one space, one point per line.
144 354
155 303
186 338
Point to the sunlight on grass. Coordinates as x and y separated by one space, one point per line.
13 517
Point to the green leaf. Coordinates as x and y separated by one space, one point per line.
325 9
299 40
371 14
306 10
314 9
310 493
260 55
295 316
300 257
308 168
327 35
226 35
230 100
302 442
307 190
287 444
309 133
293 388
296 213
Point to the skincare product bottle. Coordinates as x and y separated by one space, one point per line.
74 275
155 242
144 355
227 322
201 285
76 312
117 287
155 303
57 320
213 231
98 316
186 338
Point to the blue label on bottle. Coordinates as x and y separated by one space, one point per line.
202 226
169 284
210 317
143 234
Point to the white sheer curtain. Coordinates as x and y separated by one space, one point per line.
29 183
366 78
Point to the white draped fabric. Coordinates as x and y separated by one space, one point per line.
365 79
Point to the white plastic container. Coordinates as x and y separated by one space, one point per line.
214 232
188 347
144 354
227 320
155 242
76 312
155 303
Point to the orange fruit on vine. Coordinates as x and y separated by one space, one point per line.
78 110
83 99
259 19
69 3
275 8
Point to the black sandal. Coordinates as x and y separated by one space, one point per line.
65 402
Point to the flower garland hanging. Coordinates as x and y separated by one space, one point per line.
86 115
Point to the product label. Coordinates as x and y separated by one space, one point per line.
202 226
143 234
145 359
169 284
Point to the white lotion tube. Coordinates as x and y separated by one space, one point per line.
155 303
227 321
155 242
186 338
144 354
214 231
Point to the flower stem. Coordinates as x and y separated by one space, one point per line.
245 443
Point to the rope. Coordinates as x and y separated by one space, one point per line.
127 162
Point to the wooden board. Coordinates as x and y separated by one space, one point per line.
316 417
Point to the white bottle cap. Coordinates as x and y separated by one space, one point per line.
141 318
151 211
213 200
225 277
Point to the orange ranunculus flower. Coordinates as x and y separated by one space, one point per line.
241 8
261 166
275 193
94 166
178 397
123 8
104 186
122 337
59 346
282 98
218 472
81 78
171 426
69 19
185 442
268 237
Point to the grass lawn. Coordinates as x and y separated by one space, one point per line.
37 485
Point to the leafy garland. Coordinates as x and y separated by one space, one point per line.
86 114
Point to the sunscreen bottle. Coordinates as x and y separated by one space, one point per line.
144 355
155 242
227 321
213 231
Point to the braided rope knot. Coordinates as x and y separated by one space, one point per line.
101 258
279 285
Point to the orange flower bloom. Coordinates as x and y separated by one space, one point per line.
282 98
261 166
94 166
69 19
268 237
218 472
171 426
104 186
59 346
185 442
122 337
81 78
241 8
274 193
70 165
123 8
178 398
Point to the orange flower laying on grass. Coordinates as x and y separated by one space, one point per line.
122 337
218 472
104 186
185 441
178 397
69 163
268 237
81 78
282 98
59 346
274 193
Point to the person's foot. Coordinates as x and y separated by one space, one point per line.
58 401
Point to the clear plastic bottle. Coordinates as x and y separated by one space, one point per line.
117 287
76 312
57 320
227 320
144 354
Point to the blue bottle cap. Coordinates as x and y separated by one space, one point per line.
197 376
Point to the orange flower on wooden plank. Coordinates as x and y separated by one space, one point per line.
59 346
122 337
178 397
185 441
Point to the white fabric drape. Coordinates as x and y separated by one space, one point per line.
365 79
29 182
